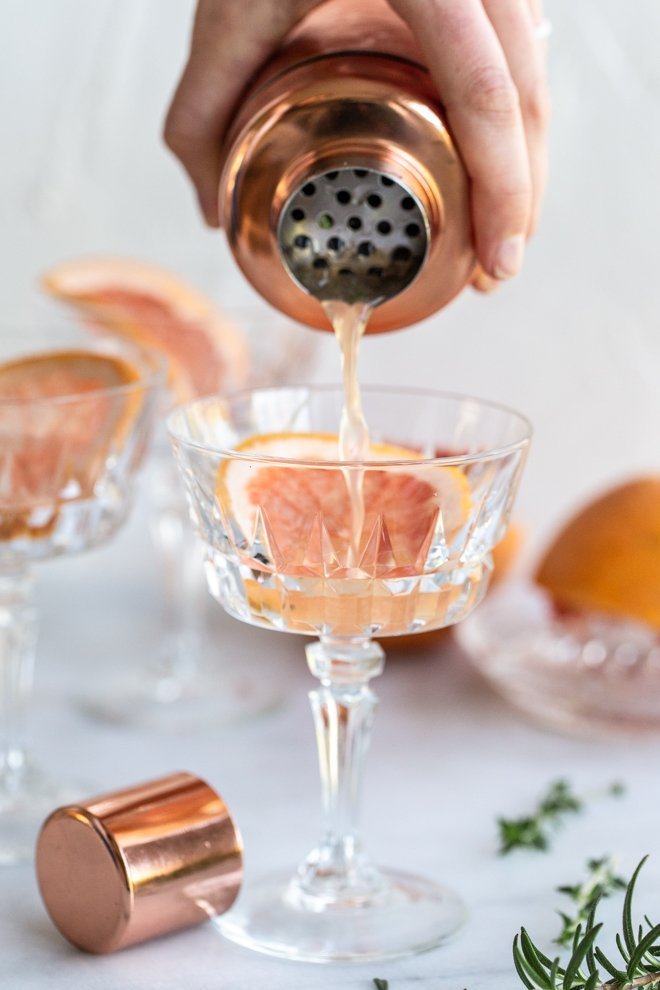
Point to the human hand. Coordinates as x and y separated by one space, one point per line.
489 71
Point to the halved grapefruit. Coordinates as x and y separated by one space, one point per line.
607 557
151 306
60 414
403 503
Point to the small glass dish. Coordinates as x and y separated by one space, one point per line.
592 675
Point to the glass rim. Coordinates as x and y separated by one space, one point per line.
488 453
152 375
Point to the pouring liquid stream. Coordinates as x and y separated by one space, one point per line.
349 321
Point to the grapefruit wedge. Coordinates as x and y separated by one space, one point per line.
61 412
300 504
606 559
153 307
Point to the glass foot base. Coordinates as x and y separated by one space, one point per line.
411 915
26 800
174 704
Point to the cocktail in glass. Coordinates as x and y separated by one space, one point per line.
272 502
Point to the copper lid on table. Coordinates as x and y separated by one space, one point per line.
127 866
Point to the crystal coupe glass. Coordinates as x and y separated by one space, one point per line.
188 680
75 418
280 553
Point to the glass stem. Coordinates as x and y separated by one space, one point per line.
338 871
178 657
18 637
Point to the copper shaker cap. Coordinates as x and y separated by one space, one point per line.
133 864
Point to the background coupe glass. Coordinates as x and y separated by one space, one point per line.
280 554
189 679
75 419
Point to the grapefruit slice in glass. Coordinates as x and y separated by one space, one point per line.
61 413
403 498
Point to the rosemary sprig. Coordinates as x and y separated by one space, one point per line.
535 831
638 946
600 882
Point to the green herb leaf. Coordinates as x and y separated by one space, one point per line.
535 831
601 881
583 946
521 964
628 932
639 949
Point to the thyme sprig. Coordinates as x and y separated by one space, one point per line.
535 831
600 882
588 967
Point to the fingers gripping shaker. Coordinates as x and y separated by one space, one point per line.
341 180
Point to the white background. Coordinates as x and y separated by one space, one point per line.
574 342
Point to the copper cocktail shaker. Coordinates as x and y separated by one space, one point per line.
341 180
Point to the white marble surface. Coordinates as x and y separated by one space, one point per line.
447 758
573 342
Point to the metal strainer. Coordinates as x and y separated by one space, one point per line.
353 235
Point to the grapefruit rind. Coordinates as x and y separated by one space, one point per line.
70 375
125 296
606 559
43 375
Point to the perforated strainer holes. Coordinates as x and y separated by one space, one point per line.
353 234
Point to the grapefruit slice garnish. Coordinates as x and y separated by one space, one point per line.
151 306
302 513
60 414
58 374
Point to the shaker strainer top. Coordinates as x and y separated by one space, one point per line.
353 234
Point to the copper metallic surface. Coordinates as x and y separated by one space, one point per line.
137 863
346 91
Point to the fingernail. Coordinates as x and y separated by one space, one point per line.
509 257
209 210
211 218
482 282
